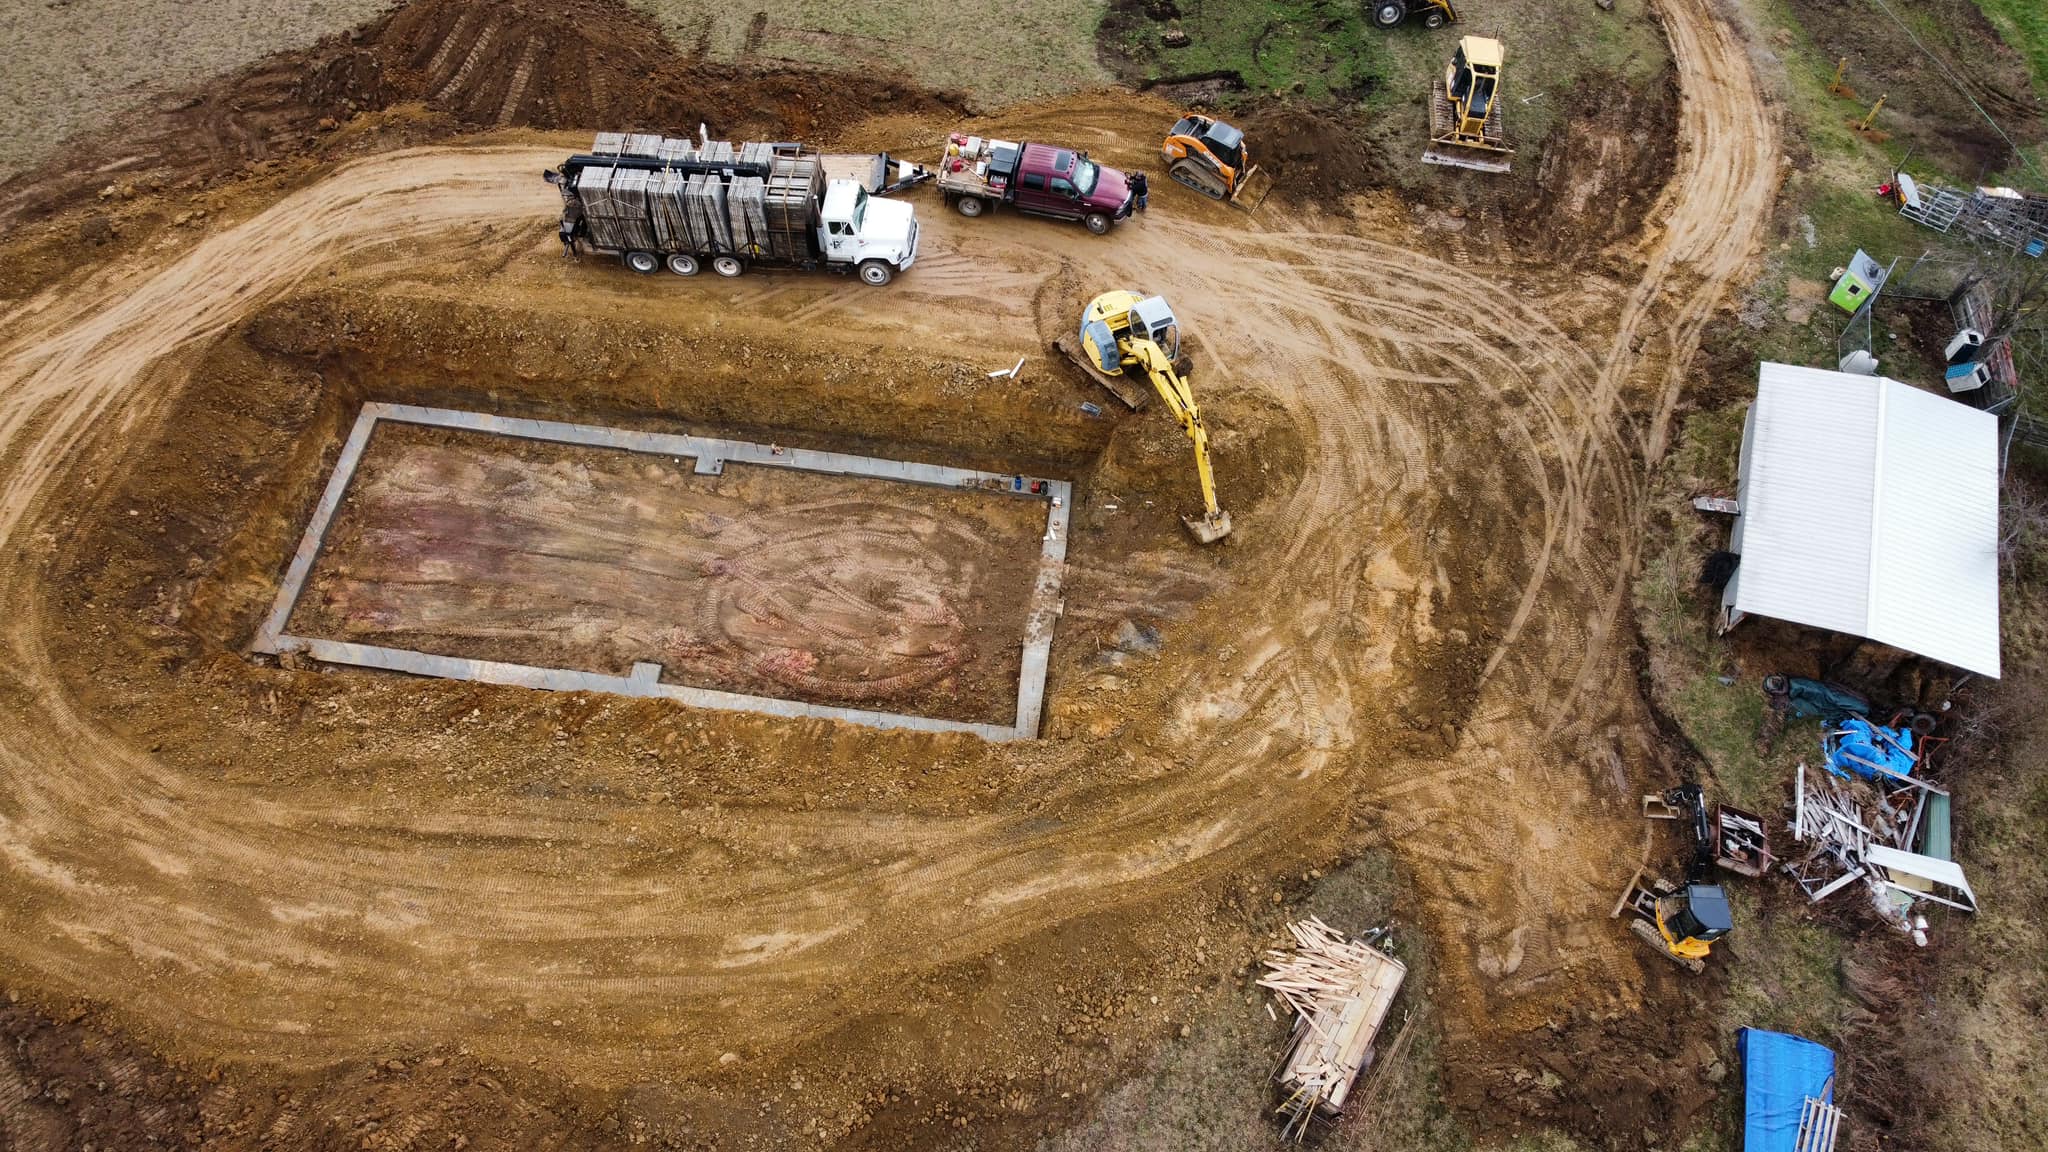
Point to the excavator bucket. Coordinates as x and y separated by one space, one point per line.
1208 529
1253 189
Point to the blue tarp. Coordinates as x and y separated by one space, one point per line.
1858 747
1778 1073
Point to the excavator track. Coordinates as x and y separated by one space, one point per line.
1195 176
1654 939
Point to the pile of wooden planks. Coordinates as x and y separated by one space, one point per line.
1340 991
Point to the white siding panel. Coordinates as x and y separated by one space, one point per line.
1935 585
1871 507
1807 512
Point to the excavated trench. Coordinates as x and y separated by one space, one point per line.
839 591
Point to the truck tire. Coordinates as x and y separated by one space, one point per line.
645 263
728 266
971 205
1096 222
1390 13
683 264
875 273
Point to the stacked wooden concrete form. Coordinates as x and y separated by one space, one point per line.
668 210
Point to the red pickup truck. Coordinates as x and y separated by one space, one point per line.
977 174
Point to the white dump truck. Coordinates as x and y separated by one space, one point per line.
680 204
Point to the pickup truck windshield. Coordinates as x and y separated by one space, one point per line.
1086 173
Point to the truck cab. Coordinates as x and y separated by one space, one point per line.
1068 185
878 236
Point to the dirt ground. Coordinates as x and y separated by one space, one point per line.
825 589
311 907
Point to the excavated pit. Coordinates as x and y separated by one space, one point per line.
885 601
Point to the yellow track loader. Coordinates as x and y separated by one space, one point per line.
1125 334
1465 113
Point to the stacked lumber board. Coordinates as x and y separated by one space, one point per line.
1341 991
789 202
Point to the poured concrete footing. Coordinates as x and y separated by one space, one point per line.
709 456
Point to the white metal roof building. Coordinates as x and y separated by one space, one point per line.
1869 507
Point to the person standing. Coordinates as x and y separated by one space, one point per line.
1139 190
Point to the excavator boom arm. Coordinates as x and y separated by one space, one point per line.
1180 400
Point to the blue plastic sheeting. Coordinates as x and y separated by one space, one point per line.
1778 1073
1858 747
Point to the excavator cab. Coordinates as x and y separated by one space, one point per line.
1696 917
1153 319
1114 317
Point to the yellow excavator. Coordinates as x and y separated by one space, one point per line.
1681 921
1125 334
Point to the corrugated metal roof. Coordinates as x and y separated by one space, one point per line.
1871 507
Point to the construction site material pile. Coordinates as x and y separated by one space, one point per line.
756 206
1340 991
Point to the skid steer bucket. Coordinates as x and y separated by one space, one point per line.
1253 189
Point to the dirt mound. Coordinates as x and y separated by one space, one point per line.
527 63
1587 184
1313 153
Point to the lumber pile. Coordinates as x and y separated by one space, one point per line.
1340 991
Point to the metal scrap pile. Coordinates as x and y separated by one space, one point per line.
1867 829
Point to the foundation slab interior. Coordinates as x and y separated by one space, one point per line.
718 573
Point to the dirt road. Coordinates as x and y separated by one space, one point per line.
1419 639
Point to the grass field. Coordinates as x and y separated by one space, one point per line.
996 52
2024 25
71 65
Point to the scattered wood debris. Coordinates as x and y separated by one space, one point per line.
1340 991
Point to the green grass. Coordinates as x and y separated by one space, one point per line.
1784 971
1311 48
2023 24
